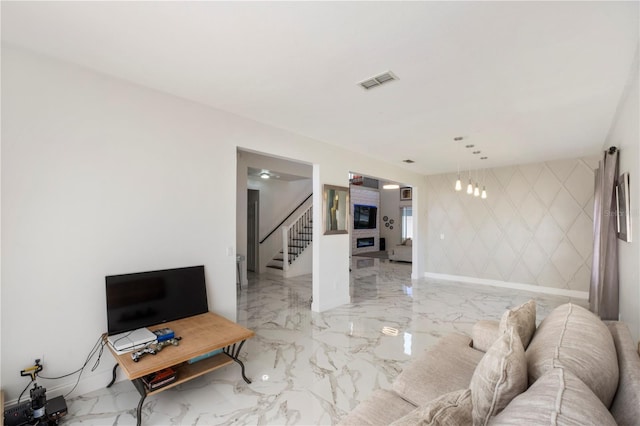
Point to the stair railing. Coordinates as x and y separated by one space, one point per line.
295 237
286 218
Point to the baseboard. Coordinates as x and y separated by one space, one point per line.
87 384
506 284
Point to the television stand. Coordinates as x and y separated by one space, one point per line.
201 334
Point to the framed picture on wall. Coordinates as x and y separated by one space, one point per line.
335 206
405 193
624 206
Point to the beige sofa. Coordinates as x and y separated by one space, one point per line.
573 369
401 252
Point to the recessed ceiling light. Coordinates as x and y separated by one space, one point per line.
458 138
476 152
469 146
483 158
408 161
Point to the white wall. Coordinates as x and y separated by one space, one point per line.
390 205
625 134
100 177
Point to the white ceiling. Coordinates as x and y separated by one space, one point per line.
523 81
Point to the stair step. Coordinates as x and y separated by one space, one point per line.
275 267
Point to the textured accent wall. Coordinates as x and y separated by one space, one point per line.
534 228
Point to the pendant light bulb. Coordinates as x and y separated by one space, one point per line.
470 188
484 193
458 183
476 191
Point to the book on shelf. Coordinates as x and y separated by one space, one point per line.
160 378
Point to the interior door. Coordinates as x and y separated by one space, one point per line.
253 210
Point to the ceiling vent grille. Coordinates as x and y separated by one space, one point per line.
378 80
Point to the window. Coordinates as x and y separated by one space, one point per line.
407 223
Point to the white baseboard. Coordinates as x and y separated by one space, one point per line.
86 385
506 284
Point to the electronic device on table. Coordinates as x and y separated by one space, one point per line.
154 348
364 217
131 340
143 299
39 410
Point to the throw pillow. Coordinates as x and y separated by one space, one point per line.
523 318
556 398
453 408
575 339
500 375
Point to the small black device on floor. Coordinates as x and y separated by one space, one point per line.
38 411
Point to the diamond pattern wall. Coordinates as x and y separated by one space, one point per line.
534 228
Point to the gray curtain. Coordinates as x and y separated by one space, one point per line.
603 291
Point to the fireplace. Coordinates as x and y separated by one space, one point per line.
365 242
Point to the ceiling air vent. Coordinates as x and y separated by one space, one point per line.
378 80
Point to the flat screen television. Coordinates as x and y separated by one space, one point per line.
147 298
364 217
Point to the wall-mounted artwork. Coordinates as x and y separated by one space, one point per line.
335 207
624 206
406 193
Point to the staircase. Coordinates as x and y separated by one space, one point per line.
295 239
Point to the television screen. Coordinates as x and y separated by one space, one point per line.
147 298
364 217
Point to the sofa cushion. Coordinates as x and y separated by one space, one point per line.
446 367
626 405
523 318
574 338
499 377
381 408
484 333
559 397
453 408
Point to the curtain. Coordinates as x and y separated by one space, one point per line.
603 291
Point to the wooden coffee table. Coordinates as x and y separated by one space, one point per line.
201 334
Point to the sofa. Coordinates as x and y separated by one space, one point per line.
572 369
401 252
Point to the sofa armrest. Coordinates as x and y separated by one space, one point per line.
484 333
626 404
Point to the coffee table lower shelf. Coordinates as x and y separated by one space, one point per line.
188 371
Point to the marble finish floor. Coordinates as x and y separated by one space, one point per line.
312 368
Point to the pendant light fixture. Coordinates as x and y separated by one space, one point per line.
476 190
458 181
484 187
472 189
